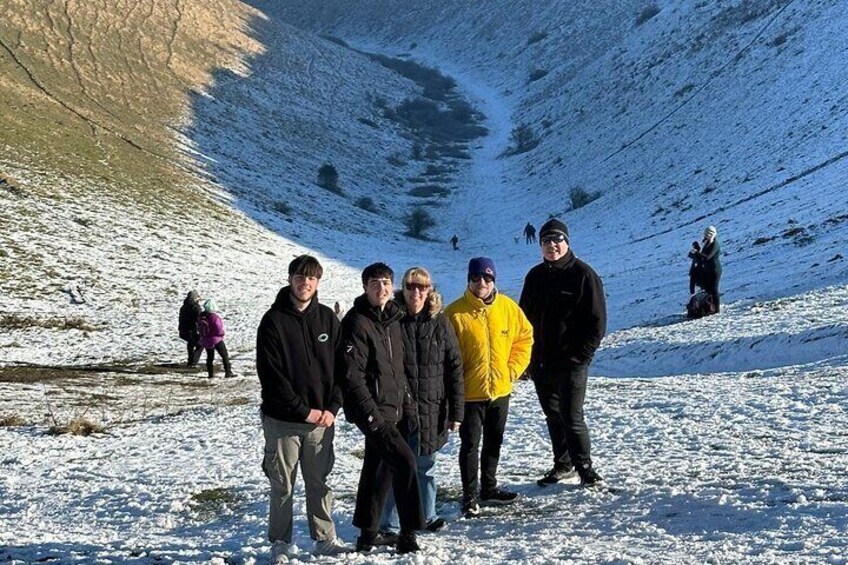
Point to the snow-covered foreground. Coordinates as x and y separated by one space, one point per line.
719 468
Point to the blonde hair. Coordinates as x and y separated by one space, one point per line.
417 275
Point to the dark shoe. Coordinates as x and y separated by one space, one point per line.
369 540
498 496
435 524
407 543
470 508
589 477
229 375
556 475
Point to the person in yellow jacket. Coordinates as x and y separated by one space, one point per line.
496 339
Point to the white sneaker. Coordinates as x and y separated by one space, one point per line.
334 546
280 553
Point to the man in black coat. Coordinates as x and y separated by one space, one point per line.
377 400
189 313
564 300
297 349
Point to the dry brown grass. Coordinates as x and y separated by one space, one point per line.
12 421
78 427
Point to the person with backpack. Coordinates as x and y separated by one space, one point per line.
529 233
189 314
433 367
210 328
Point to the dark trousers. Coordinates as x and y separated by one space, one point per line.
710 281
561 393
486 419
389 463
194 350
225 359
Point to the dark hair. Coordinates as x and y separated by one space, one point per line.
696 245
377 271
306 266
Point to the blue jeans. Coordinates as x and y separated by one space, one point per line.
426 484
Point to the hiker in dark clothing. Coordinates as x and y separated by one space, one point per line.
210 326
564 300
529 234
454 242
695 268
378 401
297 348
189 313
711 264
433 366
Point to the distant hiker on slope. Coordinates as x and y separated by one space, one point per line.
529 234
189 313
377 400
433 367
210 327
564 299
695 268
296 349
495 339
711 264
454 241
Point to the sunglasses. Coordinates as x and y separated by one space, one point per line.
556 238
412 287
478 278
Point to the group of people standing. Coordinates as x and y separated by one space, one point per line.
408 374
202 328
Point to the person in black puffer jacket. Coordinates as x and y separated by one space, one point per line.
377 400
433 366
189 313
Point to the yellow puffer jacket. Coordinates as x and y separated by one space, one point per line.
495 339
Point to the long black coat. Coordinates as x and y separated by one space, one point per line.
375 389
189 313
433 365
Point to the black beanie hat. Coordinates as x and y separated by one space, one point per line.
553 226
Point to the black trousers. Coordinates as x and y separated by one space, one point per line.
389 463
194 350
711 281
225 359
561 394
486 419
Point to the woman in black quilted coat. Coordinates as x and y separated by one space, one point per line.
433 367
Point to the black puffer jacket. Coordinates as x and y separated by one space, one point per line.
564 300
433 365
374 385
296 356
189 313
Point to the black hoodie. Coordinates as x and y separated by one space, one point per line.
564 300
375 387
296 356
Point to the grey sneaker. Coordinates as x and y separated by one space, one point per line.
556 475
334 546
280 553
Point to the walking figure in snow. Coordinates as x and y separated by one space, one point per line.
189 313
433 367
529 234
564 299
210 327
296 350
454 242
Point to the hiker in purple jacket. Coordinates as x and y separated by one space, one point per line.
210 326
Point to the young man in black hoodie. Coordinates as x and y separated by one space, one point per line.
297 348
378 401
564 300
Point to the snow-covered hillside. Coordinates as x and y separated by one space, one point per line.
722 439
